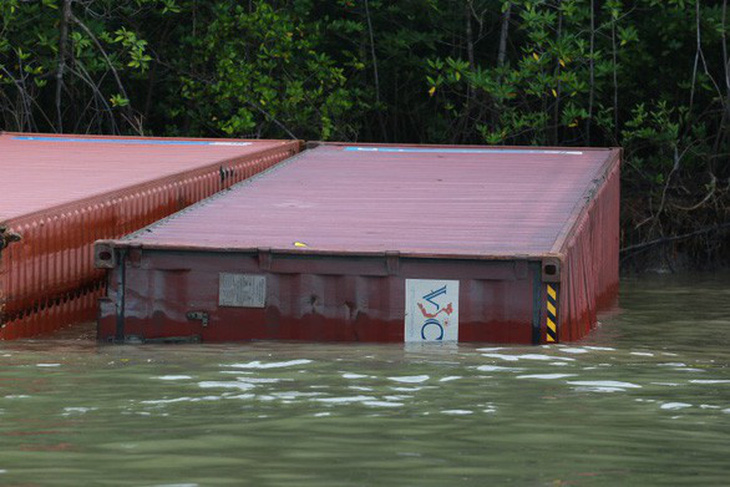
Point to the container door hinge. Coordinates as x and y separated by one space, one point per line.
199 316
6 238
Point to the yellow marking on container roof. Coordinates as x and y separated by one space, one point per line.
552 309
300 244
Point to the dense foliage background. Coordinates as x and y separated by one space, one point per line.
652 76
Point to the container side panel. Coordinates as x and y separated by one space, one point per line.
591 268
170 294
55 256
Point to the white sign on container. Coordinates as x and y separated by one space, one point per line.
432 311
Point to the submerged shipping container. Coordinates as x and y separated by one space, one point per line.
380 243
59 194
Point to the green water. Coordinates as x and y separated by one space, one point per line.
645 400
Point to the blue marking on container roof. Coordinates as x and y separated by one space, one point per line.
426 150
130 141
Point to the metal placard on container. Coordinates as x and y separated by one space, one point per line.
242 290
432 311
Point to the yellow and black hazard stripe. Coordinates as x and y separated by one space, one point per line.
551 328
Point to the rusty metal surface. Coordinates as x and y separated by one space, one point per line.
310 298
591 256
338 230
415 201
61 193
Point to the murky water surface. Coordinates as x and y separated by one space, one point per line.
643 401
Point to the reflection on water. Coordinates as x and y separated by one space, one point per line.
644 400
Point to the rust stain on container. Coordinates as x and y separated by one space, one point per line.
59 194
380 243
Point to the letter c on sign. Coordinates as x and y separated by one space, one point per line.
433 322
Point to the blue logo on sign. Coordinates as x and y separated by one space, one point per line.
437 324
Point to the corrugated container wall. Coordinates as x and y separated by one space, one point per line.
380 243
59 194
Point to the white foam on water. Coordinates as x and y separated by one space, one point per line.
457 412
558 364
211 384
573 350
173 377
501 356
410 379
642 354
450 378
256 364
490 349
545 376
672 364
354 376
3 470
603 385
244 397
17 396
47 365
708 406
344 400
669 354
673 406
670 384
260 380
406 389
599 389
691 369
600 349
321 415
498 368
726 411
710 381
295 394
397 397
166 401
536 356
527 356
383 404
77 410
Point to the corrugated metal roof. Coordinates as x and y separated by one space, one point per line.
424 201
38 172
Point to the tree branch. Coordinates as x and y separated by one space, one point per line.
62 45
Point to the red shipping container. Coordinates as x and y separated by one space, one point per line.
59 194
380 243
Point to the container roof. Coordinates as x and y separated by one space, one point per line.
39 172
416 200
